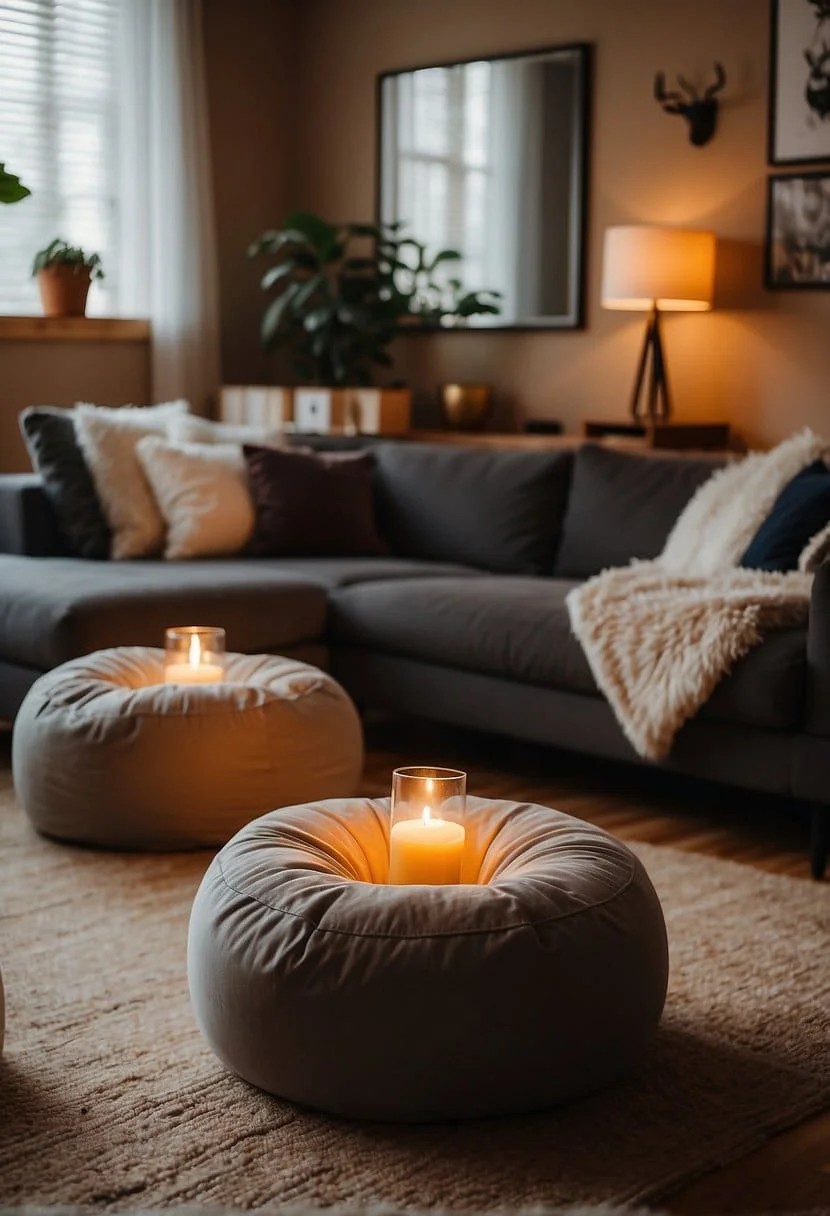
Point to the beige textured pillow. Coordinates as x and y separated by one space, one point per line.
191 429
108 439
201 490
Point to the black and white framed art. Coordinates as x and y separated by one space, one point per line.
799 110
798 231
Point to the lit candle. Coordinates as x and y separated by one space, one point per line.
426 850
195 670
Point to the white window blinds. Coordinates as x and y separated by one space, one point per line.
58 132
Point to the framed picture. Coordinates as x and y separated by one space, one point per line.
799 109
798 231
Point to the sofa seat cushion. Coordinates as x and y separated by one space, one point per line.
623 505
518 629
54 609
344 571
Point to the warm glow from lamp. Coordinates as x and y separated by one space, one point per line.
670 268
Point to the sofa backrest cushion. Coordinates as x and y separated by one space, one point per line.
622 505
496 510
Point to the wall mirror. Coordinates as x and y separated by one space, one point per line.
488 157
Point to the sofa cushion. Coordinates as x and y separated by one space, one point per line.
518 629
343 571
622 505
800 512
49 433
500 511
308 503
53 609
202 492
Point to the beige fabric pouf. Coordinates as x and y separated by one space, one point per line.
105 753
539 979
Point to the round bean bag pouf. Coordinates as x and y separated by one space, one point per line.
105 753
539 979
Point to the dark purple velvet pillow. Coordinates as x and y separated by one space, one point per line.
313 504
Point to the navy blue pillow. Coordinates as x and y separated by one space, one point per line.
801 509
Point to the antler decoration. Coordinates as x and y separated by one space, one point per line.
699 110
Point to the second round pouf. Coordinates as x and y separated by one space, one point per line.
105 753
540 979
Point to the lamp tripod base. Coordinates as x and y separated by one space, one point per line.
650 401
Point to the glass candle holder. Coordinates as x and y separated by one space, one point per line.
426 837
194 654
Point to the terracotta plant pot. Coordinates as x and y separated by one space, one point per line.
466 406
63 291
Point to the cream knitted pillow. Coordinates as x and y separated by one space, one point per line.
201 490
108 440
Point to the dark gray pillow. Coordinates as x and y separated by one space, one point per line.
623 505
49 433
497 510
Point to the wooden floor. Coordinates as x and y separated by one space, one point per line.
790 1173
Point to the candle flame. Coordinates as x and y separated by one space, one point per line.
427 816
195 656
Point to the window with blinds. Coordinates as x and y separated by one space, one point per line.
58 132
440 181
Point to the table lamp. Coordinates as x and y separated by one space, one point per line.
654 270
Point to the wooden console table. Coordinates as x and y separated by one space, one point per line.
702 436
677 436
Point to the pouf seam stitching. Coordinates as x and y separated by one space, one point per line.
524 924
186 713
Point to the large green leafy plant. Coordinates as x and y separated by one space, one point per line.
12 189
340 291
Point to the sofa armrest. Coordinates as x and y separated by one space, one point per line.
817 706
27 522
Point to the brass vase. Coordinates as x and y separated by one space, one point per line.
466 406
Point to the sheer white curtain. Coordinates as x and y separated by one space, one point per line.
167 236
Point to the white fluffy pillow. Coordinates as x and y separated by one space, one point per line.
202 493
191 429
108 439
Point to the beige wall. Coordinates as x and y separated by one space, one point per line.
249 53
761 360
61 373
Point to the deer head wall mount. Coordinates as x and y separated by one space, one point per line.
699 109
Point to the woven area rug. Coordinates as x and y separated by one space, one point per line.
109 1097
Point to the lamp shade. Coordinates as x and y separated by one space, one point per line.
672 268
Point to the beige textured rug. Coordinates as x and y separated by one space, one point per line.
109 1097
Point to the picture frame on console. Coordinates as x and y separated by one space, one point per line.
797 254
799 103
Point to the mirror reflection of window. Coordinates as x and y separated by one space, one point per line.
485 157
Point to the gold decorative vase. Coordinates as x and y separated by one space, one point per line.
466 406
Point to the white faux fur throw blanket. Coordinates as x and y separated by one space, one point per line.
660 635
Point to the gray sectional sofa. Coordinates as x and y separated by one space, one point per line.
463 622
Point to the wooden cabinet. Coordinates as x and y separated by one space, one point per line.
701 436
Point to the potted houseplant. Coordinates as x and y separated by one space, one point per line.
64 273
340 293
